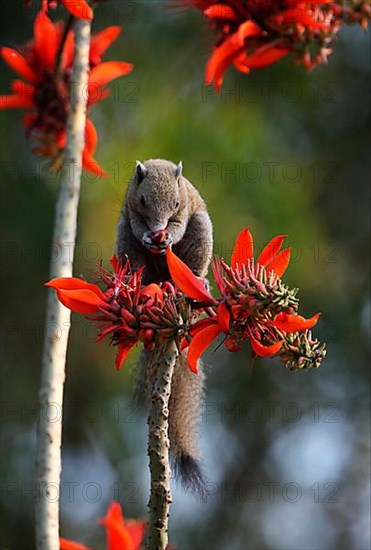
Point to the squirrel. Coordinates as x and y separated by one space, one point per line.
162 208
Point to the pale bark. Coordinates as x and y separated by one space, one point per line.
164 358
49 432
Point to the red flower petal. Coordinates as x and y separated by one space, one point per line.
152 291
183 344
78 8
20 87
97 94
16 102
280 263
122 353
91 164
247 29
200 342
200 325
270 251
218 63
102 40
19 64
243 248
81 301
105 72
224 317
45 42
68 50
70 545
91 136
78 295
220 11
73 283
223 56
264 351
260 58
294 323
136 530
122 535
185 279
61 139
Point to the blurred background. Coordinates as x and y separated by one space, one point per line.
282 151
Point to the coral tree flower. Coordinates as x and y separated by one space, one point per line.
255 33
120 534
254 304
127 312
44 66
115 308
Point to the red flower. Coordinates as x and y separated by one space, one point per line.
44 66
126 311
257 33
121 534
248 307
77 8
114 309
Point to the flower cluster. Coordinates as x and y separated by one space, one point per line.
255 33
45 66
254 306
127 311
120 534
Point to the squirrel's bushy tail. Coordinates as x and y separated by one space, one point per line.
185 405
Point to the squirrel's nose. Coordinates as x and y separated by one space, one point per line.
157 226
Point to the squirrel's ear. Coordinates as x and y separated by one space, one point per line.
179 169
141 170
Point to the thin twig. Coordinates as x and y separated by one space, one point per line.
49 430
164 359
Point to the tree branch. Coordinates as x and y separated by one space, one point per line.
164 359
49 432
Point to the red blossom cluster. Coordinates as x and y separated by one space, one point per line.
44 90
127 311
120 534
252 34
254 306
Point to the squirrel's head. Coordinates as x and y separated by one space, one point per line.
156 192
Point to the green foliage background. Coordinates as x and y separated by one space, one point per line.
280 150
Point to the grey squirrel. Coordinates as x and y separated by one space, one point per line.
162 207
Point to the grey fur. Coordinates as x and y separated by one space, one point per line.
188 224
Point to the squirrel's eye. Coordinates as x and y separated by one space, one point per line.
177 204
142 201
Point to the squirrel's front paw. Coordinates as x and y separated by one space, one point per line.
157 242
